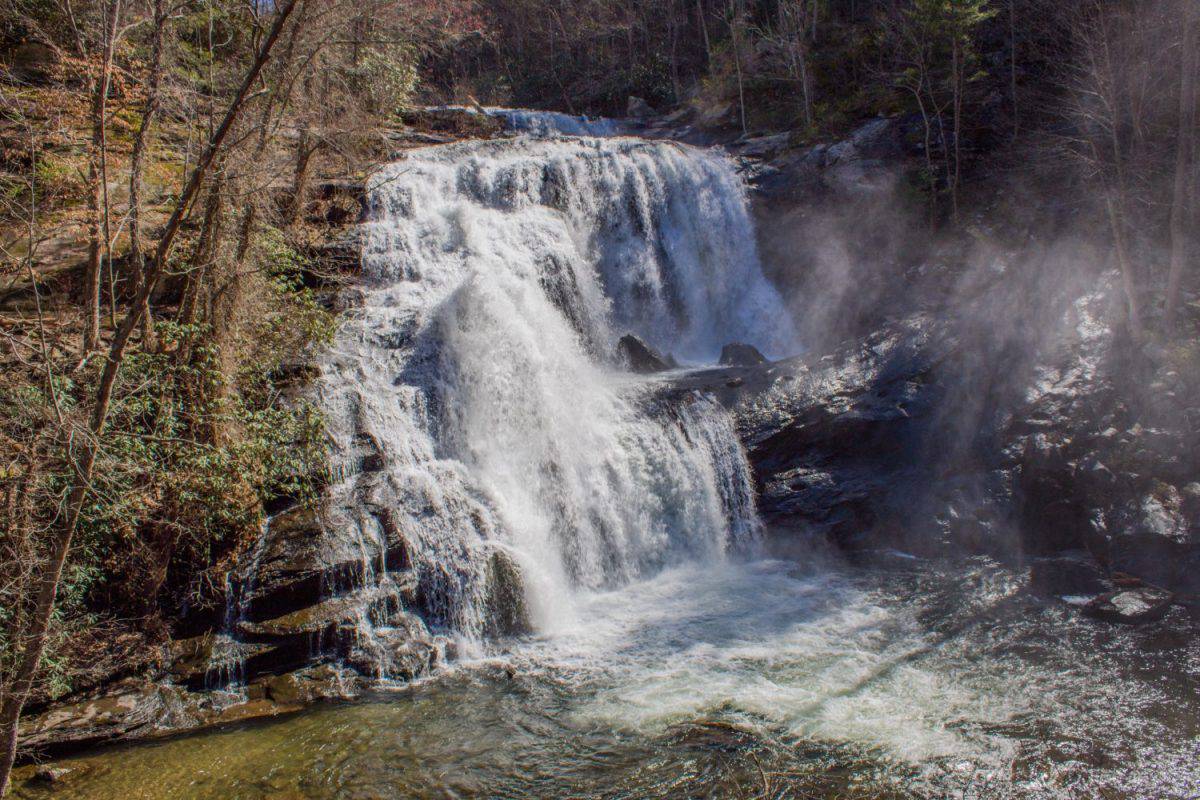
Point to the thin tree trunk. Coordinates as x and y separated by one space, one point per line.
735 33
1116 219
704 33
1012 65
956 80
137 166
296 201
33 641
1184 157
97 187
205 256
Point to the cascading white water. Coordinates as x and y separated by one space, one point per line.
550 123
480 366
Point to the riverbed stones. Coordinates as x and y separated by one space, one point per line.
48 773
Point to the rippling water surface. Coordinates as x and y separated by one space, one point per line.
760 679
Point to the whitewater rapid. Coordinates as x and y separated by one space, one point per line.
479 370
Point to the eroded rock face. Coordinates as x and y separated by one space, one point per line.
138 709
129 709
914 437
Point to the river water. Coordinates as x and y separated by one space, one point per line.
761 678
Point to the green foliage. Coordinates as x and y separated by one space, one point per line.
388 75
192 452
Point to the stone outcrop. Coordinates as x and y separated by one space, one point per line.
1077 466
741 355
640 357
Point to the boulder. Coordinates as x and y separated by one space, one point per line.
1131 605
638 108
33 62
762 146
295 689
741 355
640 357
1152 536
508 611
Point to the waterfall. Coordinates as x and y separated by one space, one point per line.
476 378
551 123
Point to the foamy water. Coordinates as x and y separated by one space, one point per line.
762 678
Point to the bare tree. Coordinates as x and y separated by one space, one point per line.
137 161
1185 143
98 210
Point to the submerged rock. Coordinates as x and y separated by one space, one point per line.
640 357
1131 606
48 773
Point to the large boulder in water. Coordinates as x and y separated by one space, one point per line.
741 355
640 356
507 609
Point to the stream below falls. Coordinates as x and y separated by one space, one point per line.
749 679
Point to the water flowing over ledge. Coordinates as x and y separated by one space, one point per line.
478 378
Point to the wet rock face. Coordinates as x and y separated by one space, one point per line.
640 357
914 438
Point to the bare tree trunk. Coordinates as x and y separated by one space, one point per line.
704 33
1180 235
98 243
1012 65
137 166
33 640
956 85
735 22
1116 219
204 258
305 150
